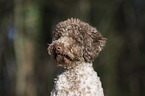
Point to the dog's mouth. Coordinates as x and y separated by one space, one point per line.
62 57
59 56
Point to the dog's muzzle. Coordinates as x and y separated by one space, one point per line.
59 55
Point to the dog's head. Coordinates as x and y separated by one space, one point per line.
74 42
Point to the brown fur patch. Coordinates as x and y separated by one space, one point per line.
85 42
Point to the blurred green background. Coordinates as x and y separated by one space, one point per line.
26 28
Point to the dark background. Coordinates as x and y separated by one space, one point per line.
26 28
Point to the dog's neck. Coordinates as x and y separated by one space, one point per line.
78 80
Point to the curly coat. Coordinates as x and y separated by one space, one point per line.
75 46
84 43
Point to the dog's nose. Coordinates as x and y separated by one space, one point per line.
59 49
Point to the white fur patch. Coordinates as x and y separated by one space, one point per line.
82 80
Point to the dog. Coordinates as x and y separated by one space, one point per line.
74 47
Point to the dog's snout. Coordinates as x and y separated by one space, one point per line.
59 49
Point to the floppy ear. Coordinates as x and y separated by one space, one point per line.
93 45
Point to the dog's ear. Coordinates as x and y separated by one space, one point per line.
94 43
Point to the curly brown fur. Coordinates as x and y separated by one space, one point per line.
75 42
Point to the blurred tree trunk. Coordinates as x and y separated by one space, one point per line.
26 26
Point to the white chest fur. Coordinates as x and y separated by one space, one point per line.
80 80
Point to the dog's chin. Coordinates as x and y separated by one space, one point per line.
62 59
65 61
59 59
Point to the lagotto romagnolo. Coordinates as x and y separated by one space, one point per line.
75 45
